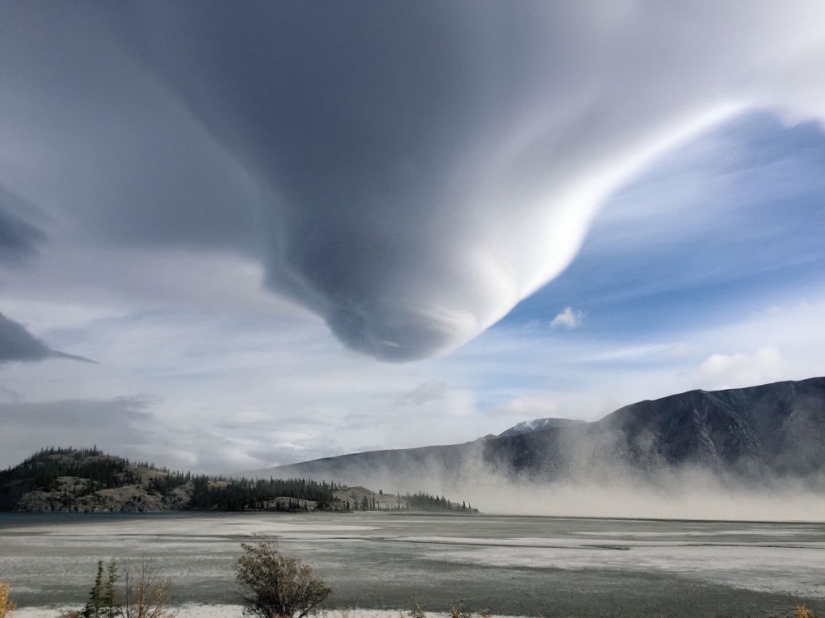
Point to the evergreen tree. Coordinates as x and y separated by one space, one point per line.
109 591
95 604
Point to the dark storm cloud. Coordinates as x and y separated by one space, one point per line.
17 344
18 237
409 171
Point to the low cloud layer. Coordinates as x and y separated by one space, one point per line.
121 426
407 172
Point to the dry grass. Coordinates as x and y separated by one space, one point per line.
145 594
7 606
803 612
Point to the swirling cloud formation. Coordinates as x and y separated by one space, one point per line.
408 171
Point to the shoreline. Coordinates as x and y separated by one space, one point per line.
197 610
311 514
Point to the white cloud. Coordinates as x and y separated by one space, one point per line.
722 371
244 391
528 407
428 236
588 377
179 307
569 318
425 393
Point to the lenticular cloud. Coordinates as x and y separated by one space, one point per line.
408 171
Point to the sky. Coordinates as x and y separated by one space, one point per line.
261 233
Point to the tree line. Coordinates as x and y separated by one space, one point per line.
43 470
425 502
96 471
244 494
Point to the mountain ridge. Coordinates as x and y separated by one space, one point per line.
538 424
775 429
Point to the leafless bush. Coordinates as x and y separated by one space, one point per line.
7 606
804 612
416 611
144 594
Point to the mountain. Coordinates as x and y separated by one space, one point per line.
756 433
538 424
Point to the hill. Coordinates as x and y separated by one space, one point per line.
769 431
90 481
66 480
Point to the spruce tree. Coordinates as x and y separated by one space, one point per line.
109 591
95 604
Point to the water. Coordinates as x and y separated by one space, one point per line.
525 566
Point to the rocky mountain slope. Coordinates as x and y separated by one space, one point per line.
769 431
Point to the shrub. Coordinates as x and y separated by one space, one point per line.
278 586
457 610
460 611
804 612
144 594
416 611
7 606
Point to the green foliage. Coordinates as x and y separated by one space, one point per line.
42 470
243 494
426 502
167 483
96 471
277 586
102 601
143 594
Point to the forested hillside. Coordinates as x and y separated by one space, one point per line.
87 480
90 481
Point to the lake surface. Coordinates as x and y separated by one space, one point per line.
517 566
